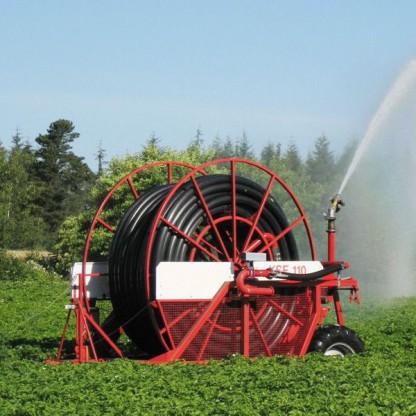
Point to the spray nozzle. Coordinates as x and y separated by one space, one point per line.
337 202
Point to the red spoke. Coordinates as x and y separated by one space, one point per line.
106 225
190 239
253 245
165 329
207 243
282 234
185 313
259 213
263 339
210 217
170 175
169 325
208 337
234 209
286 313
133 188
236 251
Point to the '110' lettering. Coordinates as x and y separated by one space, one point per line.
285 268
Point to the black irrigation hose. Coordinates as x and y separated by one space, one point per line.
307 277
185 210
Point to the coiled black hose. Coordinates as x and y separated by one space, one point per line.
185 210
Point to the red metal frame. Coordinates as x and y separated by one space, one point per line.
266 242
84 349
232 163
258 300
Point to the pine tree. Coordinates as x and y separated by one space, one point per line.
64 177
100 157
320 165
266 154
217 147
198 139
243 148
4 198
292 159
228 150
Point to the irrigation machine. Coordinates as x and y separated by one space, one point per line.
197 263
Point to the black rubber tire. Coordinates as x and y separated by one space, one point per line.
336 340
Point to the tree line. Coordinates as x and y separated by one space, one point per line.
49 195
40 187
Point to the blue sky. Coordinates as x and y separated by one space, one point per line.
280 71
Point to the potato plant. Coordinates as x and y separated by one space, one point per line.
379 382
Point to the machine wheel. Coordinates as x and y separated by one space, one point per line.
336 340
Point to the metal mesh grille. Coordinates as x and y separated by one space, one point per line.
278 325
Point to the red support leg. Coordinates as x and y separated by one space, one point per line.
338 308
245 326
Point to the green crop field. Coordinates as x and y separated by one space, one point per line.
381 381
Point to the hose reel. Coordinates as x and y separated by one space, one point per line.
196 224
202 217
178 266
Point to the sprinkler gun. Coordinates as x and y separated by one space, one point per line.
336 203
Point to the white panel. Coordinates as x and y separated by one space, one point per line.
97 286
191 280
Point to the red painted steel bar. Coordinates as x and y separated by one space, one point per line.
208 336
260 332
176 353
234 209
190 239
259 213
315 317
210 218
245 326
283 233
286 313
133 188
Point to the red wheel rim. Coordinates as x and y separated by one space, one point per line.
97 221
233 164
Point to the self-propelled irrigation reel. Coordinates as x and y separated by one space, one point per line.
204 262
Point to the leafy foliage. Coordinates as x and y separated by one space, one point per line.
73 232
40 187
288 166
20 223
49 195
14 269
379 382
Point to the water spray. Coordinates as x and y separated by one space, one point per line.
396 94
385 160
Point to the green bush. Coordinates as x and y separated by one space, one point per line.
13 268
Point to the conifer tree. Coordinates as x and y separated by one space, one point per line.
292 159
321 163
64 177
